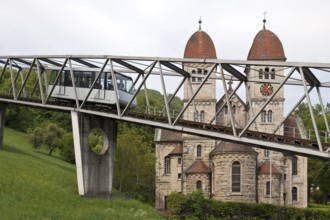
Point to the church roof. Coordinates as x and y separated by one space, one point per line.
291 128
266 46
167 135
200 45
198 167
223 99
265 168
177 150
229 147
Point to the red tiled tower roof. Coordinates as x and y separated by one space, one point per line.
266 46
198 167
200 45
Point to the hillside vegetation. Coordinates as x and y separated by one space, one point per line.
34 185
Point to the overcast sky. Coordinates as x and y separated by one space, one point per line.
161 28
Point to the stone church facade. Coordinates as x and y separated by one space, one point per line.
228 171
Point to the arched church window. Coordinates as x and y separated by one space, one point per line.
196 116
270 116
294 194
202 116
167 165
294 165
199 72
193 79
236 177
199 151
268 188
266 152
199 184
260 73
205 73
272 74
234 109
226 109
266 73
263 116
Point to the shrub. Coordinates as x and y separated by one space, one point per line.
178 205
195 205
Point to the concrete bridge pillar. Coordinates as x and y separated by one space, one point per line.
94 171
2 123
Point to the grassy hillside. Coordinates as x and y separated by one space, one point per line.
36 186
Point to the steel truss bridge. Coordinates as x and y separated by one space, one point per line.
18 73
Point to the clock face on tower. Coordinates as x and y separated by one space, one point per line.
266 89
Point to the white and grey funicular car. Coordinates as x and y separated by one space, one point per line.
103 92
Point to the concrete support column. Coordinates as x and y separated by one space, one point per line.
94 171
2 123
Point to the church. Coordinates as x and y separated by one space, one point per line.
228 171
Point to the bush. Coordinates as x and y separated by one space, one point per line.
178 204
195 205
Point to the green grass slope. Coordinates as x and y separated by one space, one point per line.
36 186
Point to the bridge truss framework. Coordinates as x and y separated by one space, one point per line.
23 70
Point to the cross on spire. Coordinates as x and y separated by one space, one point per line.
265 13
200 23
230 82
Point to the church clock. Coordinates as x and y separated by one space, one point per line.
266 89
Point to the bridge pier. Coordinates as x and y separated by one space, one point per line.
2 123
94 171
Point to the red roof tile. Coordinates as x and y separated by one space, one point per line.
265 168
167 135
291 128
198 167
266 46
177 150
200 45
229 147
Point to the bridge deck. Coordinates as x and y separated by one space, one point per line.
289 145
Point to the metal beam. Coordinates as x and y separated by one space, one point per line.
175 68
139 88
56 80
93 84
233 71
232 119
266 103
195 94
128 65
311 109
81 61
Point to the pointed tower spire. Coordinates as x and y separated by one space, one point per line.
200 23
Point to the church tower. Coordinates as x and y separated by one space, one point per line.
196 172
200 45
281 177
266 46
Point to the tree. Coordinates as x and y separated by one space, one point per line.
156 102
135 162
318 170
49 137
67 147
